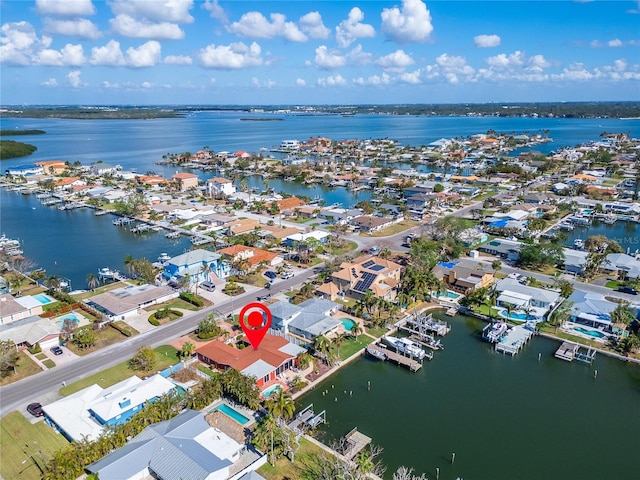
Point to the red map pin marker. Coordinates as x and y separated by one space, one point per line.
255 320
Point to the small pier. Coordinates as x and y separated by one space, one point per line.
123 221
173 234
307 418
142 228
201 240
514 340
570 351
424 323
396 357
353 443
451 311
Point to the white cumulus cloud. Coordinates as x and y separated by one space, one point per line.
616 42
329 59
17 41
178 60
67 8
73 77
215 10
486 41
256 25
411 23
396 61
505 61
349 30
312 25
146 55
128 26
80 27
52 82
383 79
412 78
108 55
172 11
300 82
332 81
230 57
70 55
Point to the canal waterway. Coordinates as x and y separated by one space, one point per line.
503 417
627 234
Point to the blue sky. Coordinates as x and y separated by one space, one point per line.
317 52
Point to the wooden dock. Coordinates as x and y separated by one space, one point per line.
570 351
353 443
424 324
514 339
392 356
307 418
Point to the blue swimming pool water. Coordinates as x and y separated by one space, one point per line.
42 298
591 333
347 323
69 316
520 316
233 413
449 294
267 392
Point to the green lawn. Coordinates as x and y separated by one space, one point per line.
166 355
206 370
49 363
351 345
105 337
376 331
395 228
284 469
24 368
175 303
16 433
348 247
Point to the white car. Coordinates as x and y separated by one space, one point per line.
286 275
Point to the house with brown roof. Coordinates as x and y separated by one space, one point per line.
151 180
289 203
53 167
367 273
185 181
255 256
370 223
242 225
67 183
274 356
463 277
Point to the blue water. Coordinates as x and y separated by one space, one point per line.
625 233
71 316
520 316
267 392
591 333
348 324
233 413
75 243
448 294
42 298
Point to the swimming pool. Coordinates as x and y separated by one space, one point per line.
70 316
267 392
232 413
519 316
347 323
43 299
448 294
591 333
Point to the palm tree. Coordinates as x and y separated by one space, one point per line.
53 282
92 281
496 265
281 405
356 330
187 349
129 264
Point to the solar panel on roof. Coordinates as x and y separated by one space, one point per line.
364 284
368 263
377 268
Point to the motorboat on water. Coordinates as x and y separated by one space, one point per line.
106 272
164 257
406 347
578 244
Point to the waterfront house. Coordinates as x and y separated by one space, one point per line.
184 447
185 181
367 273
309 320
501 247
321 237
241 225
26 332
53 167
575 261
101 169
253 255
621 264
12 309
274 356
121 303
199 265
591 309
25 170
538 301
463 277
220 187
92 410
338 216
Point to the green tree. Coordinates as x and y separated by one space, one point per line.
8 356
187 350
144 360
92 281
84 337
622 314
281 405
561 314
208 328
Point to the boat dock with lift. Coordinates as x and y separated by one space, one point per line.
505 338
383 352
570 351
307 418
353 443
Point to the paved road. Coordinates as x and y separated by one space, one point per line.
44 386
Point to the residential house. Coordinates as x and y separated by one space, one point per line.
309 320
199 265
242 225
220 187
53 167
420 204
185 181
592 309
575 261
67 183
369 223
124 302
367 273
317 235
253 255
463 277
622 265
274 356
26 332
522 298
501 247
92 410
471 237
101 169
184 447
12 309
24 170
338 216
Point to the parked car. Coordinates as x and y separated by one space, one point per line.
270 274
263 297
57 350
286 275
629 290
267 285
208 286
35 409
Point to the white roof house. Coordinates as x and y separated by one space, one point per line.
88 412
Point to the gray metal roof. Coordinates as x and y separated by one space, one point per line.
318 305
281 310
314 323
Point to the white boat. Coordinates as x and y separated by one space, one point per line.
406 347
578 244
106 272
164 257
